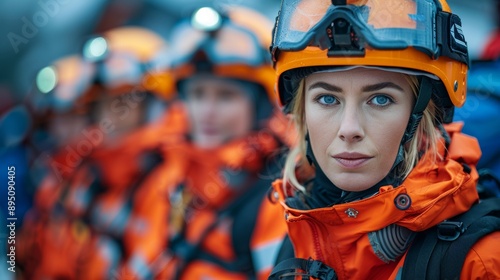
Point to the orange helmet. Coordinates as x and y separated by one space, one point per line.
63 85
413 36
232 43
124 56
117 61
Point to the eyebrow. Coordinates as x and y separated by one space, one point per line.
374 87
380 86
326 86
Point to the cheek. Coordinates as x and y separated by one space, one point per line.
194 111
236 115
190 106
135 116
388 139
321 129
313 118
200 109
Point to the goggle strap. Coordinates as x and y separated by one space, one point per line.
450 37
423 97
339 2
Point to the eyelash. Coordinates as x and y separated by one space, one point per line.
320 97
389 100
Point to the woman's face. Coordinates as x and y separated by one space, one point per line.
220 110
356 120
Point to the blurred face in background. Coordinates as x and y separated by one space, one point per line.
67 127
220 110
124 113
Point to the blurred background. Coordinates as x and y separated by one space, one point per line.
35 33
38 126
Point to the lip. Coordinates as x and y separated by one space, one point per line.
351 160
209 131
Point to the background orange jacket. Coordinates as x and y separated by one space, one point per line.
188 196
75 228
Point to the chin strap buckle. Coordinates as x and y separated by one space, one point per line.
319 270
290 268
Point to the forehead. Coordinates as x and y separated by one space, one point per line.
357 76
214 82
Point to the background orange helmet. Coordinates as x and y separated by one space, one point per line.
125 57
63 86
116 62
232 43
416 36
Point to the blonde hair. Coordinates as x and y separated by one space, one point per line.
426 137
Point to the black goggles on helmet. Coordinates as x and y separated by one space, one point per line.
228 45
346 27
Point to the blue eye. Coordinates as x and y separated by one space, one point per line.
327 100
381 100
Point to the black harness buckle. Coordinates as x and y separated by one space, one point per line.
450 230
319 270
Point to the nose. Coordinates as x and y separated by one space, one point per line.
351 128
207 108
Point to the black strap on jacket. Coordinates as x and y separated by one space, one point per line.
149 160
440 252
291 268
489 184
243 211
187 252
286 250
244 221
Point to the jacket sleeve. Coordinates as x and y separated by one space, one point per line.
144 238
483 260
269 233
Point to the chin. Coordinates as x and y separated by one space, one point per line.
207 143
353 188
352 183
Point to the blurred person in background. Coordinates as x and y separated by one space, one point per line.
204 211
15 126
15 123
481 112
96 102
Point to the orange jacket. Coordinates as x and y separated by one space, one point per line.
74 230
187 192
339 235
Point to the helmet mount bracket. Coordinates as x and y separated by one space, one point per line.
344 40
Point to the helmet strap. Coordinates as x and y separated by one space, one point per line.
309 152
423 98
